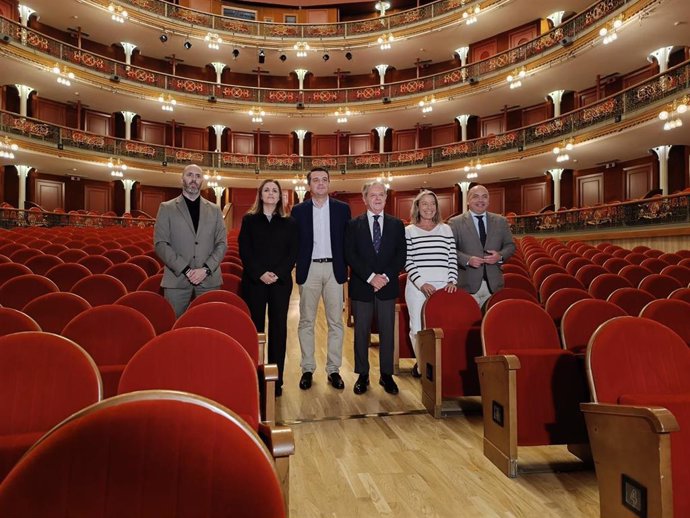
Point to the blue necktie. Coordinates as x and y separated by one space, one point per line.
482 229
377 233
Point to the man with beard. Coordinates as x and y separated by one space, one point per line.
190 239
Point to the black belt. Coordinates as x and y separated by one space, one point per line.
324 260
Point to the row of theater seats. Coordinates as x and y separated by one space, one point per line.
130 342
527 360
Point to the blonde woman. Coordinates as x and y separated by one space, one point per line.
431 260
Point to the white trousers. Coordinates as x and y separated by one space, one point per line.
415 299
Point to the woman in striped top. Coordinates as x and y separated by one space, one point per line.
431 260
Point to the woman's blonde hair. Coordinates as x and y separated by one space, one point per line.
414 212
258 207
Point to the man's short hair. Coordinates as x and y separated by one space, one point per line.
322 169
370 184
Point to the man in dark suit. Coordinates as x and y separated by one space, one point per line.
375 249
321 272
190 238
484 241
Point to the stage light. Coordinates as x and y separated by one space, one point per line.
235 53
348 56
283 57
163 37
262 56
326 57
187 44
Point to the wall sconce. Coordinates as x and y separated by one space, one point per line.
671 118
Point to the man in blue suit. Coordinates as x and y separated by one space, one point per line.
376 250
321 272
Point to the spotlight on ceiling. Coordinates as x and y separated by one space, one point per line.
163 37
348 56
326 57
187 44
283 57
262 56
235 53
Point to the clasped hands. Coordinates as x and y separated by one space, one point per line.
196 275
378 281
490 257
268 278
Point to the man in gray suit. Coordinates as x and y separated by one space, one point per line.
484 241
190 239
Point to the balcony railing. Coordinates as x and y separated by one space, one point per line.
540 46
616 108
36 217
615 216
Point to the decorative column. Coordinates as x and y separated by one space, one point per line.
462 53
218 191
24 92
382 135
128 48
301 74
23 174
25 13
218 67
556 18
662 153
300 137
218 128
128 184
556 97
301 190
129 118
382 73
661 55
556 174
463 119
464 187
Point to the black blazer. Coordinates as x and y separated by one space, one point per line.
339 213
267 246
363 260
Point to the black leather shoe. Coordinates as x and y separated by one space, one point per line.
305 381
279 391
361 384
388 384
335 380
415 371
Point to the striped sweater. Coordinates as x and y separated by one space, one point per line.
431 255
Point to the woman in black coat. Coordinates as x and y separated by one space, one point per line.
268 249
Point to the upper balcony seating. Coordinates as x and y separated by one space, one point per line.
141 455
639 421
530 386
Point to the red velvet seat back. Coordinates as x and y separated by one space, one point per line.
679 273
11 270
96 263
518 324
153 306
18 292
24 254
226 318
545 271
153 283
44 378
674 314
659 286
149 264
221 296
231 282
603 285
630 300
513 280
555 282
634 274
130 275
656 265
588 273
680 294
116 255
458 315
583 318
53 311
514 268
66 275
111 334
40 264
14 321
99 289
506 294
574 265
615 264
201 361
557 304
144 455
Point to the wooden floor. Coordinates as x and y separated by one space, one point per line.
353 459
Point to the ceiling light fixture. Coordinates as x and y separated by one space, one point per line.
385 41
7 148
341 115
302 47
386 179
167 102
213 40
117 168
608 31
118 13
515 79
472 168
672 118
257 115
561 151
212 180
64 76
470 16
426 104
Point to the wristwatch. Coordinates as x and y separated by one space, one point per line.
208 270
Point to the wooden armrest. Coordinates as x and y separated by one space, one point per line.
510 361
430 334
659 419
263 351
279 440
268 372
268 377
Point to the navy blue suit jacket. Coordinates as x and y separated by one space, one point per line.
364 260
339 213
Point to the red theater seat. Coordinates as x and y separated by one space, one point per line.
630 300
130 275
149 264
659 286
634 273
147 454
680 294
44 378
583 318
639 423
11 270
14 321
221 296
153 283
153 306
116 256
556 282
513 280
96 263
679 273
53 311
507 294
674 314
530 387
603 285
560 300
19 291
448 344
111 334
40 264
99 289
66 275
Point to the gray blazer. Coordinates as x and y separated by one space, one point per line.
179 246
498 237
